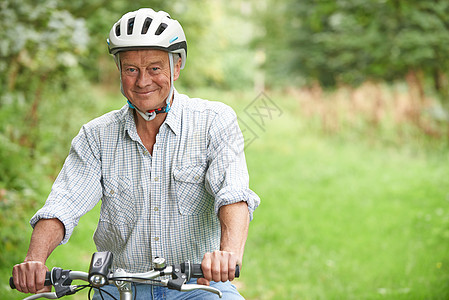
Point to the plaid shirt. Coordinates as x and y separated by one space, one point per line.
164 204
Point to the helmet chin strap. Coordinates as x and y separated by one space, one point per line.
151 114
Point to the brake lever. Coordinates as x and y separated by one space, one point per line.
190 287
42 295
180 278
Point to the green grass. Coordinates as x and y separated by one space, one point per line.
340 218
345 219
339 223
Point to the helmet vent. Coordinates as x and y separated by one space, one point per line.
117 30
146 25
130 26
161 29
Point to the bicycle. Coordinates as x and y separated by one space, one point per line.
101 274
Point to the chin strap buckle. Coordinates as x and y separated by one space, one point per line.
151 114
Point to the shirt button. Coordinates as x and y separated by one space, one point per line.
156 239
112 192
156 179
197 178
156 208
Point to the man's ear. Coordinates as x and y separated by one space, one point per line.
117 61
177 69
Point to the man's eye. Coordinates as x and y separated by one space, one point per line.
131 70
155 68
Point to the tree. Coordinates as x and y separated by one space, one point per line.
351 41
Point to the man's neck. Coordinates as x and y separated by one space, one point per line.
147 130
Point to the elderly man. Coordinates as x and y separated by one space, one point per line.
169 169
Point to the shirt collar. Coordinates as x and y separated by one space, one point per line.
173 119
130 125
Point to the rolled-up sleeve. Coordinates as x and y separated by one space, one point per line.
77 188
227 177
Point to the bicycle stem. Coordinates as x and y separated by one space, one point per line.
124 286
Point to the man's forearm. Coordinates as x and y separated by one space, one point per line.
234 220
47 234
29 276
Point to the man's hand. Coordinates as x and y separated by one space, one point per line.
29 277
218 266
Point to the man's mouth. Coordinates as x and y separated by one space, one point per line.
144 93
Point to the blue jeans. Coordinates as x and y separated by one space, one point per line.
146 291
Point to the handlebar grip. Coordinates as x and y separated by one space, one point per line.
237 271
197 272
46 283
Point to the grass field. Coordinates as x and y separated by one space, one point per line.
340 218
346 221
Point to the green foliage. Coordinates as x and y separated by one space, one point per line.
39 56
353 41
219 38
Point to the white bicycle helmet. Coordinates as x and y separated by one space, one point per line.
147 29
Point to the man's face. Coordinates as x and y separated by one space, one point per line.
146 77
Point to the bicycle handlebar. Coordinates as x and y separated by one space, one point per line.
196 272
100 274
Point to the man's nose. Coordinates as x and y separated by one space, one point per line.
144 79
